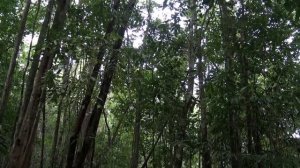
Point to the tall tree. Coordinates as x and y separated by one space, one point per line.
229 47
20 153
66 75
143 69
110 68
13 61
137 128
90 87
34 65
183 120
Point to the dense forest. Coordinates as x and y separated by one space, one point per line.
150 83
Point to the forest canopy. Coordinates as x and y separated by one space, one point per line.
149 83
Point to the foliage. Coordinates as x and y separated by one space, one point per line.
152 79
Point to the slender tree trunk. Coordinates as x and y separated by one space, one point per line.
247 106
54 157
13 62
144 165
244 72
205 149
63 135
108 129
206 158
20 144
34 65
182 125
55 135
204 153
183 120
43 110
228 35
171 132
116 131
104 89
136 137
114 135
251 110
90 88
28 57
257 138
92 153
30 146
24 139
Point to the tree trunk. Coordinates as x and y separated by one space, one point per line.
251 110
204 153
30 146
257 139
43 110
90 88
34 65
54 157
205 149
13 62
183 120
182 125
109 71
206 158
144 165
64 134
136 137
228 35
24 138
28 56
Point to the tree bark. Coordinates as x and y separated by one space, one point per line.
206 158
54 157
30 146
90 88
183 120
13 62
229 39
109 71
28 55
24 138
34 65
205 152
251 110
43 111
136 137
144 165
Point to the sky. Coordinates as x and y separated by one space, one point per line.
158 13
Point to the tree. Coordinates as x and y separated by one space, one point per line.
13 62
22 147
104 89
148 84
